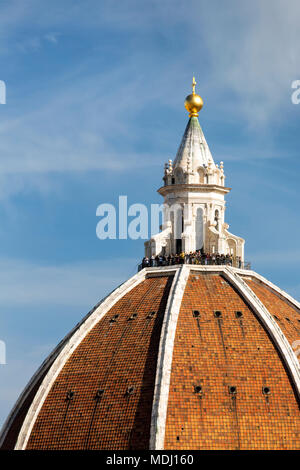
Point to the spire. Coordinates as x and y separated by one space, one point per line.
193 147
194 197
193 151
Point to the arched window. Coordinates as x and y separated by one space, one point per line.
176 217
217 219
199 229
231 247
201 175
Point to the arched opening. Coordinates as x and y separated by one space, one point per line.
231 247
201 173
179 230
217 218
199 229
176 217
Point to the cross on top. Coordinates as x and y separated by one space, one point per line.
194 83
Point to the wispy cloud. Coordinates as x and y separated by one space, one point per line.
254 51
86 118
82 89
71 130
24 283
52 37
30 44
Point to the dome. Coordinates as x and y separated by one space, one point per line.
177 357
194 352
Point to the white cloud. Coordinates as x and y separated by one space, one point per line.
84 121
245 56
52 37
30 44
254 51
73 129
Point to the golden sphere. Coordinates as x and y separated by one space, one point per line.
193 104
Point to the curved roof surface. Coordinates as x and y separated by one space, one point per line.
178 357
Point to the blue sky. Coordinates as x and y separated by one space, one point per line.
95 93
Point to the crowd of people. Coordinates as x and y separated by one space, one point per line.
195 257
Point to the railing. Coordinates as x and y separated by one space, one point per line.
160 263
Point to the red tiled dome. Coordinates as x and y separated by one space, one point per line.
176 358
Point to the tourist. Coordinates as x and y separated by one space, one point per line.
193 257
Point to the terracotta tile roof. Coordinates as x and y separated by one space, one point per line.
216 353
229 385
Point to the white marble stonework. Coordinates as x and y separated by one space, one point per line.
194 199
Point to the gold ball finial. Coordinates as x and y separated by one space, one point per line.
193 103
